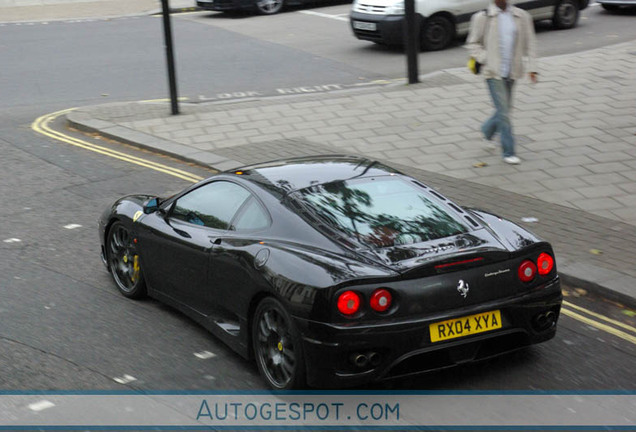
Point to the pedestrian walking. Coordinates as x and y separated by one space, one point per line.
500 39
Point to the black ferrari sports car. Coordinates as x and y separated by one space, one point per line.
334 271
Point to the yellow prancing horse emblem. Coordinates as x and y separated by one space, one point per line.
137 215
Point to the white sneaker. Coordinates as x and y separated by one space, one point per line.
512 160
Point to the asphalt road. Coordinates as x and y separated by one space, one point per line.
325 33
63 324
66 327
62 64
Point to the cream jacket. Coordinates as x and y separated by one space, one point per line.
483 42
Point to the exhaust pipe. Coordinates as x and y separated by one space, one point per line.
544 321
550 318
359 360
374 359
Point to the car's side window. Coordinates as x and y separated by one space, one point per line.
212 205
252 217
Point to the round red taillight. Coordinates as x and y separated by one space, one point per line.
348 303
545 264
527 271
380 300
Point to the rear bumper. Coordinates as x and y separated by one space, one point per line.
405 348
222 5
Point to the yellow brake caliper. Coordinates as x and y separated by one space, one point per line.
135 274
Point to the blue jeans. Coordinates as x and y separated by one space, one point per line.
501 92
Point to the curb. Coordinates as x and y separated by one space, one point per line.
81 121
599 290
599 281
152 12
602 282
174 10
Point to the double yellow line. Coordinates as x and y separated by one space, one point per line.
41 125
614 329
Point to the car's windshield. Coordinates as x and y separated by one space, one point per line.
381 211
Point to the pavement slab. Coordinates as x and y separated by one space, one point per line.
576 136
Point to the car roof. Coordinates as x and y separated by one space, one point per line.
287 175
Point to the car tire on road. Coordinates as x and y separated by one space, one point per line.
566 14
277 346
437 33
269 7
123 262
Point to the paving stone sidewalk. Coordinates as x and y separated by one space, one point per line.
576 133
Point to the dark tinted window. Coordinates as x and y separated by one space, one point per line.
252 217
212 205
381 212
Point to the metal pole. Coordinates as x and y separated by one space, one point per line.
172 79
411 34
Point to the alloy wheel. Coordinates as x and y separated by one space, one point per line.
269 7
277 349
123 261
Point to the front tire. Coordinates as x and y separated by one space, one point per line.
566 14
277 346
269 7
123 262
437 33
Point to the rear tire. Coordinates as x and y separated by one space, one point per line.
566 14
437 33
277 346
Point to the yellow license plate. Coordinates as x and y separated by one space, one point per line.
464 326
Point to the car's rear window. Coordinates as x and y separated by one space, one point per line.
381 211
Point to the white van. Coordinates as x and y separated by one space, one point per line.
440 21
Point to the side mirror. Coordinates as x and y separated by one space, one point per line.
151 206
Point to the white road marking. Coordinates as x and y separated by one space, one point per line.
72 226
204 355
125 379
12 240
41 405
323 15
